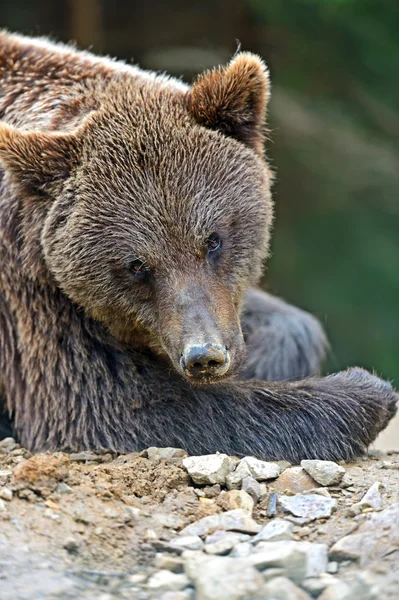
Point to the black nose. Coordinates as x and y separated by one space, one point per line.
210 360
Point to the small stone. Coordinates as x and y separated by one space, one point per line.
238 520
212 491
283 465
221 542
315 556
85 456
315 585
311 506
294 480
6 493
324 472
71 545
222 577
168 581
137 578
234 480
236 499
63 488
272 574
276 530
242 550
5 476
260 469
3 505
180 595
332 568
169 562
187 542
339 591
272 505
282 555
281 588
372 498
210 468
154 453
348 547
8 445
202 526
252 487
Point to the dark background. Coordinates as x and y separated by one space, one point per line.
335 131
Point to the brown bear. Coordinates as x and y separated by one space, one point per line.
135 214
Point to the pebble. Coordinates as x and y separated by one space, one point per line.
372 498
260 469
154 453
6 493
85 456
5 476
222 577
232 520
315 585
281 588
187 542
242 550
276 530
324 472
181 595
167 581
293 480
272 505
210 468
348 547
308 506
221 542
3 505
169 562
339 591
8 445
253 488
282 555
315 556
332 567
234 480
64 488
71 545
236 499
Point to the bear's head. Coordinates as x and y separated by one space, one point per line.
158 210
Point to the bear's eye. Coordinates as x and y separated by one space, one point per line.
214 243
139 270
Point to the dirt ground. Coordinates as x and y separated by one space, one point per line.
90 526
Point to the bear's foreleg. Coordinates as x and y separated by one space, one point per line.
283 342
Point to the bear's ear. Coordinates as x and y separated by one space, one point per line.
37 159
233 99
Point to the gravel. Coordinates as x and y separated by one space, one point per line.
159 525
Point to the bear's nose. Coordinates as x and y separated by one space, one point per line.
210 360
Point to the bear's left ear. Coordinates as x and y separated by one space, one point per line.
37 159
233 99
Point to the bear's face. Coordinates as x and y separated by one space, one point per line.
161 225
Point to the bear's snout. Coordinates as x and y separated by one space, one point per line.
205 361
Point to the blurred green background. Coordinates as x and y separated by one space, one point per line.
335 133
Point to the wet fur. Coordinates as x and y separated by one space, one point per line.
102 376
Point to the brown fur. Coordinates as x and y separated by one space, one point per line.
107 166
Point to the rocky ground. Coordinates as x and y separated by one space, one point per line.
161 525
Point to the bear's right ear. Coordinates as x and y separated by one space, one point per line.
37 159
233 99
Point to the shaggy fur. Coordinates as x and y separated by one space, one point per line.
114 182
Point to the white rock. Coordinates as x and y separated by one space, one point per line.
282 588
372 498
238 520
314 556
309 506
232 520
168 581
275 530
210 468
221 542
348 547
339 591
188 542
3 505
202 526
324 472
282 555
252 487
222 577
242 550
234 479
169 562
6 493
260 469
315 585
